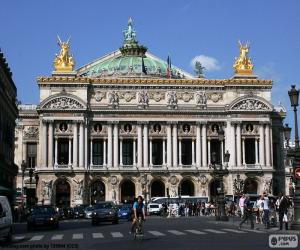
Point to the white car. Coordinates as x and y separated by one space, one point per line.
154 208
5 219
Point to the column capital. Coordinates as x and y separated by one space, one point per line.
172 122
112 122
201 122
235 122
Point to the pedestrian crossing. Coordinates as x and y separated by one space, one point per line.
105 235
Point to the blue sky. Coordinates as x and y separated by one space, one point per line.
183 29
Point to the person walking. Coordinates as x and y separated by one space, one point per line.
248 207
283 210
266 218
241 204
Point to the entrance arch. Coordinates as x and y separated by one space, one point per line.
97 192
187 188
250 186
157 188
62 193
127 191
213 189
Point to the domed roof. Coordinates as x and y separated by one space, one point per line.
131 60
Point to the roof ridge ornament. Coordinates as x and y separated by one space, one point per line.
243 64
130 33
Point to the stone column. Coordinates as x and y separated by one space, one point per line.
121 151
44 145
180 152
232 144
268 145
150 155
198 145
169 145
209 153
261 145
50 144
244 153
140 146
56 152
75 144
91 152
70 152
146 153
116 145
86 145
104 152
81 145
109 145
256 151
193 152
134 152
175 149
222 152
238 145
204 146
164 152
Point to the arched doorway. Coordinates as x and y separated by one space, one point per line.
127 191
97 192
157 188
250 186
186 187
213 189
63 191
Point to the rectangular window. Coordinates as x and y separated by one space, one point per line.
250 151
31 155
63 151
157 152
97 152
127 148
186 149
215 146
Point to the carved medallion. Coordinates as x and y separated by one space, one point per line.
173 180
99 96
215 97
203 179
113 180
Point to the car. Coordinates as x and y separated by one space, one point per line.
88 212
5 219
43 216
78 212
105 211
61 214
69 213
154 208
125 211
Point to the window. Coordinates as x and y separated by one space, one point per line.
186 152
31 155
127 148
63 151
157 152
98 152
250 151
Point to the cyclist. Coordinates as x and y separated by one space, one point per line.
138 211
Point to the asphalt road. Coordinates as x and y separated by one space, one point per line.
159 233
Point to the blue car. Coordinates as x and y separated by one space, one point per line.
125 211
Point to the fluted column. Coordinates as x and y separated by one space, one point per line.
91 152
198 145
50 144
75 144
209 153
261 145
175 149
140 146
109 145
256 151
204 146
104 152
268 145
232 143
164 152
238 145
121 151
24 153
244 153
146 153
81 145
70 152
180 151
169 145
134 152
222 152
193 152
150 154
86 145
116 145
56 152
44 145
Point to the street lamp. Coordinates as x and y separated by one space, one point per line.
36 177
218 173
30 181
295 153
287 134
23 168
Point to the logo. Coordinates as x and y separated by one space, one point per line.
283 241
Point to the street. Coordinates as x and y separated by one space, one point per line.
159 233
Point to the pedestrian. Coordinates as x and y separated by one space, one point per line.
247 212
241 204
266 218
283 210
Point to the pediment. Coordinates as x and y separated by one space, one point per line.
251 103
62 102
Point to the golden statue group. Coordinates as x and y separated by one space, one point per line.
243 64
64 62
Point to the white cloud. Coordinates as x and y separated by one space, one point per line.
209 63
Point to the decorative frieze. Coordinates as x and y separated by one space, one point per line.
250 104
31 132
63 103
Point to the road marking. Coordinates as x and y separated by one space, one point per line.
176 232
37 237
57 237
254 231
77 236
233 230
21 237
195 232
117 234
98 235
156 233
214 231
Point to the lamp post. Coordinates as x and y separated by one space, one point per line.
218 173
30 182
23 168
287 134
36 177
295 153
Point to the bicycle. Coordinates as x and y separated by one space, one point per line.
138 228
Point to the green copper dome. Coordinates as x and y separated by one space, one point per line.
131 60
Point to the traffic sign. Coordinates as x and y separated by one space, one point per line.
297 173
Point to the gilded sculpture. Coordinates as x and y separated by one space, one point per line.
243 64
64 62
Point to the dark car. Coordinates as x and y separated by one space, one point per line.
78 212
61 214
43 216
105 211
69 212
125 211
